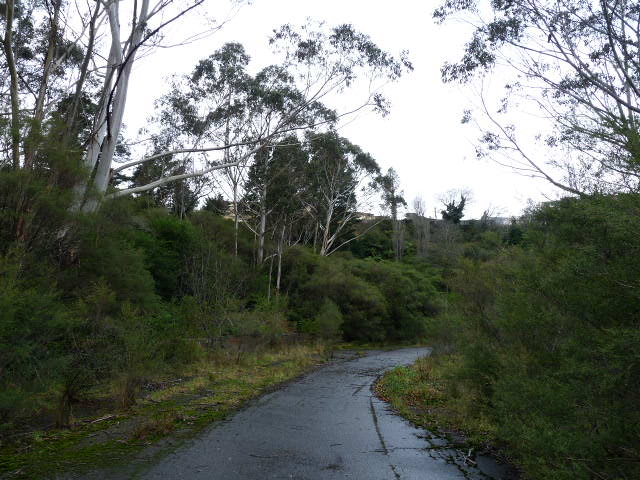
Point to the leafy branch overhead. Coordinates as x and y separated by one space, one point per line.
577 63
69 74
221 107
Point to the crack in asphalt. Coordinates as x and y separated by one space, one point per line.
360 387
382 442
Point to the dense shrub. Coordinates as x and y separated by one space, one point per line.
116 296
327 323
377 300
375 242
410 293
126 293
33 343
550 337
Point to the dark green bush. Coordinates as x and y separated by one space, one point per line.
327 323
34 325
410 295
378 300
551 339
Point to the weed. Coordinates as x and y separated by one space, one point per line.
429 395
156 426
204 392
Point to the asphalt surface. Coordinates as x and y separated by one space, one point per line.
328 425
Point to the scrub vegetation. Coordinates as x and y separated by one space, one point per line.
173 329
102 435
151 283
536 352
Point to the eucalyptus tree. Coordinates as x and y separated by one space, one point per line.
37 58
316 64
221 104
47 83
68 51
274 183
87 52
421 226
180 197
41 55
341 177
393 200
147 20
578 63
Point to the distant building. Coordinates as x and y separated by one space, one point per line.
415 216
365 216
499 220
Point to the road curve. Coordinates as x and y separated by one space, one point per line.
328 425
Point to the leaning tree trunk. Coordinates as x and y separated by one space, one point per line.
103 144
235 219
324 248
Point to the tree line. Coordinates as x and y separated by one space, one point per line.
116 260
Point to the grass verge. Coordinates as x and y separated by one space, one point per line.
427 394
206 392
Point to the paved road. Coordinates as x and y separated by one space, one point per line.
328 425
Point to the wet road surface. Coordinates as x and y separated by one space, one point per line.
328 425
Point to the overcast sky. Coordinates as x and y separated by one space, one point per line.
422 139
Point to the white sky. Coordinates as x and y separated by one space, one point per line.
422 139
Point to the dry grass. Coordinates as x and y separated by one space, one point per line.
172 403
153 427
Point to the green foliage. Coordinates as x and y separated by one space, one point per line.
454 211
216 205
109 254
378 300
34 325
166 248
32 209
549 338
326 324
220 232
127 298
375 243
96 303
265 322
363 306
410 295
105 301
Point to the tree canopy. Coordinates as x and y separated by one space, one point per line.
577 63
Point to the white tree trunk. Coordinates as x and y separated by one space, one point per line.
263 225
117 96
235 218
280 250
324 248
